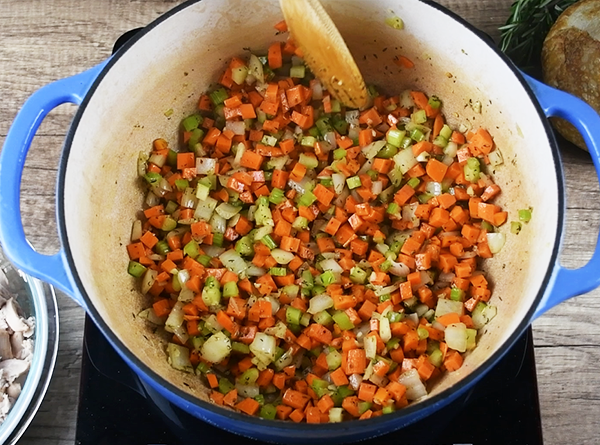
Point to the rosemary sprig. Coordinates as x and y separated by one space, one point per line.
523 34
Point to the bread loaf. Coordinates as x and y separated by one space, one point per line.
571 59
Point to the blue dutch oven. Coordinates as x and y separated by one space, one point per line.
122 104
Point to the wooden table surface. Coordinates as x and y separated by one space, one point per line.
42 41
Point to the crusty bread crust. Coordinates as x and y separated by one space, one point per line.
571 59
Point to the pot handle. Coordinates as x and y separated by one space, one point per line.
566 283
49 268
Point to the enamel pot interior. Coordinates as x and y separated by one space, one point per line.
175 59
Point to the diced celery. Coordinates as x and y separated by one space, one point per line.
446 132
323 318
320 387
308 141
435 358
434 102
358 275
191 122
136 269
525 215
191 249
394 137
196 136
298 71
278 271
336 414
396 23
293 315
307 199
268 241
422 333
225 385
419 117
218 96
327 278
387 152
204 260
211 293
515 227
218 239
249 376
334 359
353 182
339 153
277 196
457 294
268 411
343 321
471 338
244 246
472 169
300 223
230 289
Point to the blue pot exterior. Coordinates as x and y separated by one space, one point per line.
59 271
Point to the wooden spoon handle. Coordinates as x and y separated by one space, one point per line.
325 51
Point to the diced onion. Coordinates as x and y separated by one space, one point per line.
319 303
415 389
264 347
227 210
237 127
405 160
371 150
247 390
234 262
179 357
282 256
455 336
205 209
355 380
376 187
216 348
332 265
399 269
445 306
148 280
206 166
496 241
317 90
435 188
150 315
385 331
370 346
175 319
339 182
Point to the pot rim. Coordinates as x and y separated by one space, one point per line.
409 412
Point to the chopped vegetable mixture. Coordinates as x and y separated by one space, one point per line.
313 262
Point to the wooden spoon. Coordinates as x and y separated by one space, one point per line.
325 51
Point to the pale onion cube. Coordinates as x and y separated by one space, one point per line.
445 306
415 389
319 303
370 346
385 331
455 336
264 347
179 357
496 241
282 256
216 348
